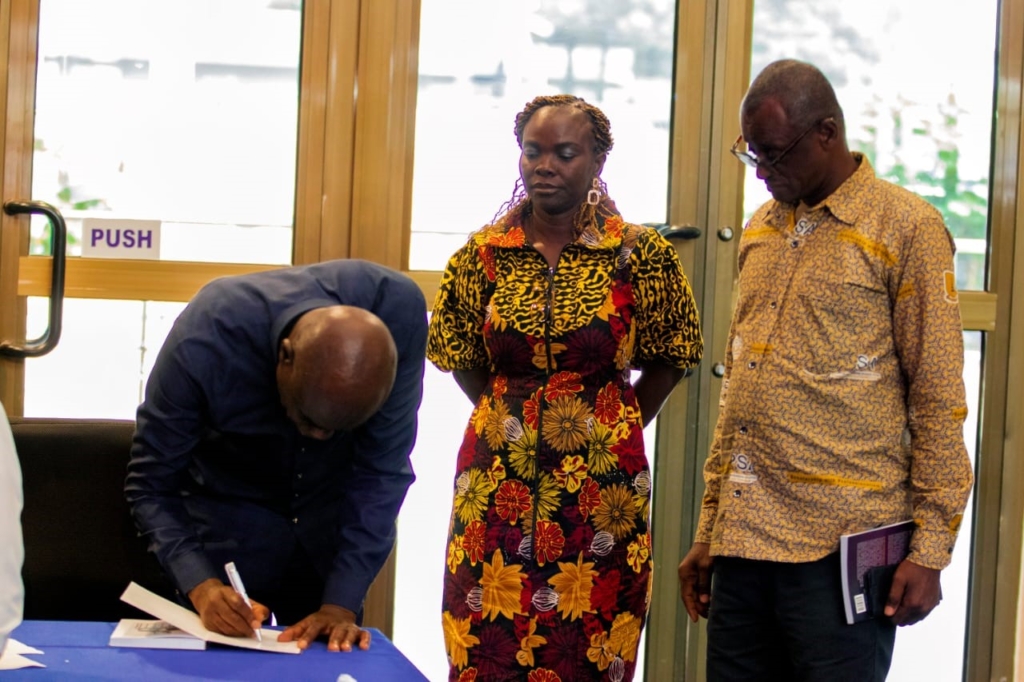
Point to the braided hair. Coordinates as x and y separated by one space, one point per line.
599 125
600 129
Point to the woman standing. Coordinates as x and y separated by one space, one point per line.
541 316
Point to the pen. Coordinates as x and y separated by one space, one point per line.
236 583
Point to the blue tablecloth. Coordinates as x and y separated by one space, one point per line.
79 651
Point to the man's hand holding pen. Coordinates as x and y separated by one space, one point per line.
223 610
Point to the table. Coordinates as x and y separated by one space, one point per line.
79 651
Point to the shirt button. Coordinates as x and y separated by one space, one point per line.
751 364
736 493
296 495
298 475
295 520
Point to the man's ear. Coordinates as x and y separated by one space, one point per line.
828 131
285 352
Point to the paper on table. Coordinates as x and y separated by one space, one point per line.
182 618
12 658
16 647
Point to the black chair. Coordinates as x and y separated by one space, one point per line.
81 546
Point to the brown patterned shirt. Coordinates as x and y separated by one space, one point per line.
843 402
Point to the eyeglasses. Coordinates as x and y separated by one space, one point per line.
754 162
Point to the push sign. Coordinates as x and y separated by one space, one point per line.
136 239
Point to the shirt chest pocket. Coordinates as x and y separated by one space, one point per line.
851 285
844 310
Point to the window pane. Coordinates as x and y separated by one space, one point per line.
506 53
423 525
101 364
920 109
183 112
934 648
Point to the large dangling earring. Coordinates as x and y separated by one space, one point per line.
594 195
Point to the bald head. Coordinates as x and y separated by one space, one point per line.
800 88
335 369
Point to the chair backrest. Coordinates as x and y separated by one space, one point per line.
81 546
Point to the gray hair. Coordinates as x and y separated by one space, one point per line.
801 88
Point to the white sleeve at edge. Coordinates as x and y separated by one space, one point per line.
12 550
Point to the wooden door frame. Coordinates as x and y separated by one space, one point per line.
19 24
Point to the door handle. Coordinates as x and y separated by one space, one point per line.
682 232
46 342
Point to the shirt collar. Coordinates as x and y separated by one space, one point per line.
284 320
842 203
605 232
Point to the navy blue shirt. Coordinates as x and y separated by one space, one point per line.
218 473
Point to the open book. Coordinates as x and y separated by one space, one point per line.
869 559
186 620
153 634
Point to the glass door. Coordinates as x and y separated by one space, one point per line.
201 118
479 63
930 133
166 134
945 122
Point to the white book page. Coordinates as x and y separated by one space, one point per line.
180 617
16 647
13 656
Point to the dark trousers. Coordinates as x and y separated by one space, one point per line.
773 621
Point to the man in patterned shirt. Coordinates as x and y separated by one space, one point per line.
842 405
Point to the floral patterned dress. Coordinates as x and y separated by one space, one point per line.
549 555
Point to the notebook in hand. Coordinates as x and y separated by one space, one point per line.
153 634
869 559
